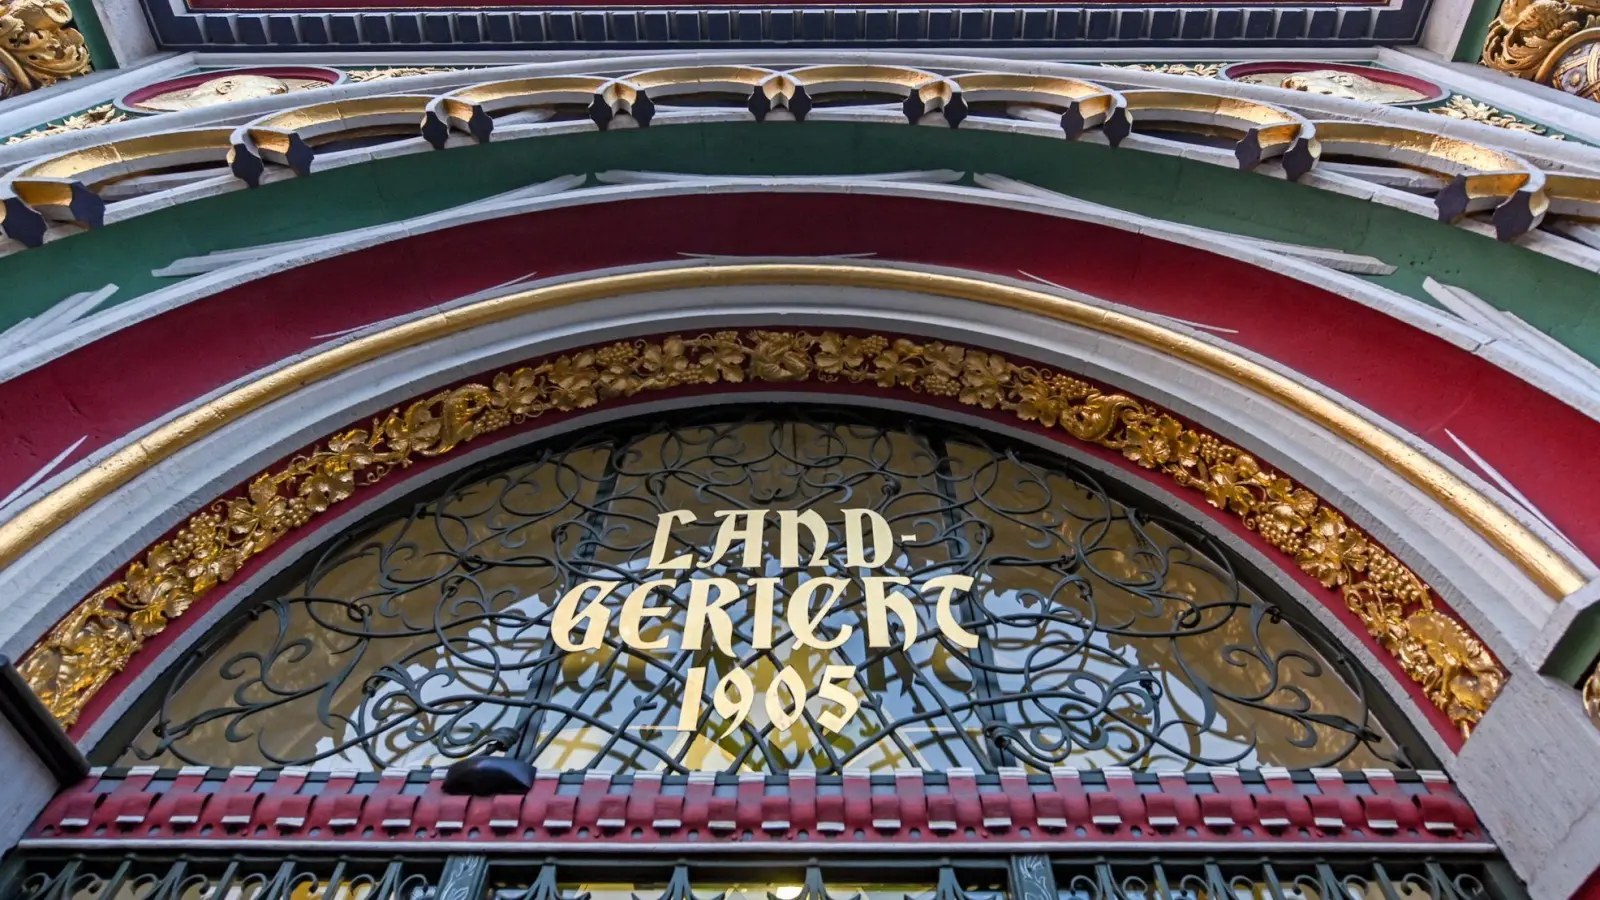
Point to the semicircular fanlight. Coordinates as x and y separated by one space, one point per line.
1104 635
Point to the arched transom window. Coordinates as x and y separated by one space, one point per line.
1089 632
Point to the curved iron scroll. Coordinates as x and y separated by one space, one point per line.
1109 635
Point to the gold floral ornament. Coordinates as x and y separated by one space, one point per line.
89 118
1459 107
82 652
36 46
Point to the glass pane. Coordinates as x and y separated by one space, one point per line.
1104 635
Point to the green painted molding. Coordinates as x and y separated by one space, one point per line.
1560 299
1574 655
1469 47
87 20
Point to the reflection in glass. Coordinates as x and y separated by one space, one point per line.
1108 636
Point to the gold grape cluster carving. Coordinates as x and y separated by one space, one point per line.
87 648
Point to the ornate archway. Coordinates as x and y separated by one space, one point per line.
1394 477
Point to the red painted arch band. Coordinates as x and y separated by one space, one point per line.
1418 381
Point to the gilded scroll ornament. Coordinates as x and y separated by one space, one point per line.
36 46
1526 35
86 649
89 118
1459 107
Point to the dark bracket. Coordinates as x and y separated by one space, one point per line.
489 776
40 730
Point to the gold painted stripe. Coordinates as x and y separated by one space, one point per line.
1547 568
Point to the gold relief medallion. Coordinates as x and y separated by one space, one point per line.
1334 83
227 88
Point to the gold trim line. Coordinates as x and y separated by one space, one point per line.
1538 560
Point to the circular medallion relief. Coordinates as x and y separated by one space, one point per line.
1334 80
215 88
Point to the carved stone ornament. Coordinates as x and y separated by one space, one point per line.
363 75
36 46
1195 70
1460 107
105 114
99 637
1530 38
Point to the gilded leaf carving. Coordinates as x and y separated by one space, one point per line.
82 652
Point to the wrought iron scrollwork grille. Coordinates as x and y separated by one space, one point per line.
157 876
1109 634
245 876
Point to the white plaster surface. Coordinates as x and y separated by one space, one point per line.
127 30
1532 773
27 785
1441 29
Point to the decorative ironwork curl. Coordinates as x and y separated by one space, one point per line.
144 875
1314 878
679 888
1109 635
136 877
814 888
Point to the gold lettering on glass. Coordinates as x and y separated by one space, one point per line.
869 544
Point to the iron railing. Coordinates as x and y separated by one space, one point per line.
109 875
